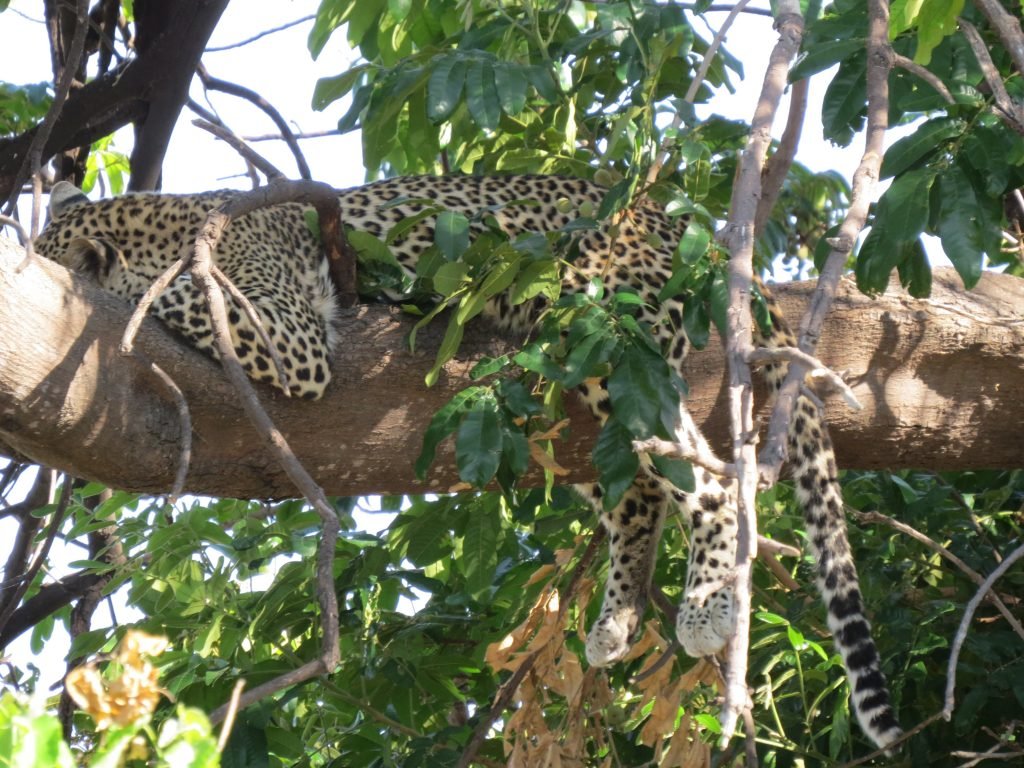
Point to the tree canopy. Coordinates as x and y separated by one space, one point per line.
441 629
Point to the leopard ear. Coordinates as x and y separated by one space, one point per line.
91 256
65 195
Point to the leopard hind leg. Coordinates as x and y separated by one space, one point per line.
634 528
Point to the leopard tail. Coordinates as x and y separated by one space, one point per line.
814 474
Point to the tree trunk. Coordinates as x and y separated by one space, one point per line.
941 381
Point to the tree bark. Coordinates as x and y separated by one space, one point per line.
941 381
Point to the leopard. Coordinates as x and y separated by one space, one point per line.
276 260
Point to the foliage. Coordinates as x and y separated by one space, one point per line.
451 596
21 106
121 704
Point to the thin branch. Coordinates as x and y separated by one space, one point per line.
702 458
738 235
818 369
216 84
778 165
1007 26
1011 113
925 74
229 716
300 136
185 421
887 750
24 238
961 633
33 159
934 546
257 323
202 273
254 38
252 156
691 92
51 533
864 179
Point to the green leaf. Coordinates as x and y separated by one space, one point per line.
488 366
844 102
615 460
539 278
444 422
588 358
903 210
915 271
822 56
511 83
910 149
961 225
444 88
449 277
451 234
718 301
480 545
876 259
449 345
478 445
481 95
633 390
329 89
678 472
497 280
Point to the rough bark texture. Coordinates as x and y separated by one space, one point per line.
942 382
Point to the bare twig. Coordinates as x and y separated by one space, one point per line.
918 71
216 84
702 458
184 419
252 156
229 716
1007 26
934 546
818 369
300 135
257 323
33 158
884 751
24 238
202 273
1010 111
738 235
961 633
864 178
778 165
691 92
264 33
51 533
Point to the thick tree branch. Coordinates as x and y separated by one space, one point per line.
940 381
162 71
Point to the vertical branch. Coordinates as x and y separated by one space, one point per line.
880 61
739 237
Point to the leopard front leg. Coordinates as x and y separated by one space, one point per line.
634 532
707 613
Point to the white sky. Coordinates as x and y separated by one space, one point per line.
279 67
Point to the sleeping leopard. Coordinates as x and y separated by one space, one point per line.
271 255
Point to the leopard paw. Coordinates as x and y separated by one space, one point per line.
703 630
609 639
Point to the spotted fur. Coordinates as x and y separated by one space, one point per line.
272 256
